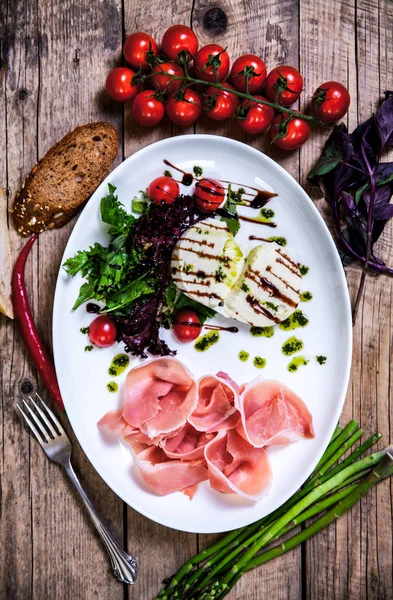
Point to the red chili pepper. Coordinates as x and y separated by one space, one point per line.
27 329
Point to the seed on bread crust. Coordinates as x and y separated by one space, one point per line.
65 178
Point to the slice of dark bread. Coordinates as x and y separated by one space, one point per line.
65 178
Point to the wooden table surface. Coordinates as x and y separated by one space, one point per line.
54 58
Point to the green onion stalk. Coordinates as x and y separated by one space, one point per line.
332 489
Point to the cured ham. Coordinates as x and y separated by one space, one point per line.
164 476
159 396
272 414
236 466
215 409
114 422
187 444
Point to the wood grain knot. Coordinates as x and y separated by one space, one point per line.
26 387
215 21
23 94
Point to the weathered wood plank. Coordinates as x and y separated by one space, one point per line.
47 95
268 29
161 550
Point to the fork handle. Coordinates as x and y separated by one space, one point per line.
124 566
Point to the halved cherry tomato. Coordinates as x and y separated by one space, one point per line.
209 194
258 116
119 84
146 109
163 74
211 63
298 132
186 111
137 48
283 85
187 326
331 101
179 38
102 331
163 189
248 67
223 102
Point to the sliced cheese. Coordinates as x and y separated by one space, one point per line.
268 290
206 262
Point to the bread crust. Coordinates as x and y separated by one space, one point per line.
5 260
65 178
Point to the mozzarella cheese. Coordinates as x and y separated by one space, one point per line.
268 290
206 263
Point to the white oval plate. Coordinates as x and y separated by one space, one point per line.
83 375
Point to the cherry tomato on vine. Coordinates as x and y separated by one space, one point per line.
211 63
209 194
187 326
163 189
119 84
102 331
222 102
137 48
146 109
331 101
248 67
258 117
179 38
298 132
184 111
163 74
283 85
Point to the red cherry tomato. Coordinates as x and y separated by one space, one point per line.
331 101
137 48
211 63
163 189
178 38
186 111
224 103
284 82
102 331
187 326
298 132
258 116
249 67
162 77
209 194
119 84
146 109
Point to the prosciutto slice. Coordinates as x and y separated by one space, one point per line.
164 476
159 396
187 444
272 414
215 409
114 422
236 466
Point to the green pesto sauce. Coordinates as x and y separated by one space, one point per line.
88 348
297 319
292 345
112 386
306 297
243 356
281 241
84 330
197 171
296 362
167 173
259 362
119 363
321 359
303 270
262 331
267 214
204 342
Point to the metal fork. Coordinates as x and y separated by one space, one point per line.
57 446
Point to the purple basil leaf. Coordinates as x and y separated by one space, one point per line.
383 211
348 205
384 172
384 123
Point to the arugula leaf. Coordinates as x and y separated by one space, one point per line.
129 293
229 215
86 293
138 205
114 214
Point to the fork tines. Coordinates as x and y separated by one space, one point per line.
42 421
